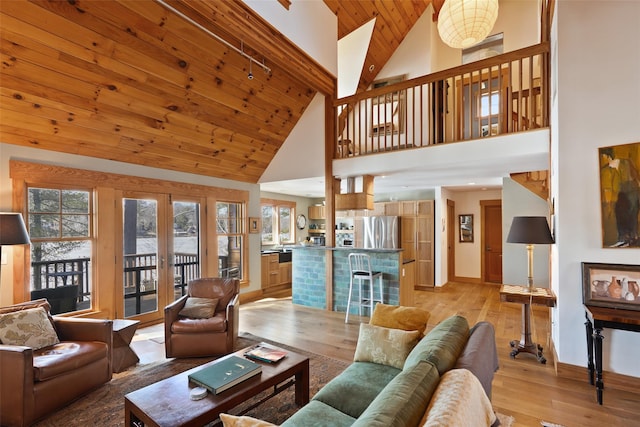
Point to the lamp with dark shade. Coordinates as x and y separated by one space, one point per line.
530 230
12 231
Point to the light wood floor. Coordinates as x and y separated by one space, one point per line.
522 387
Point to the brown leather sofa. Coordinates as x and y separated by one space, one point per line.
190 337
35 383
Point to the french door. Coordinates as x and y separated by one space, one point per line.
145 276
161 252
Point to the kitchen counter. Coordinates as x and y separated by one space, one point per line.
309 273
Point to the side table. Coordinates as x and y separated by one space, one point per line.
597 319
123 356
525 296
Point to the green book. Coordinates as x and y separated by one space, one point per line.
225 374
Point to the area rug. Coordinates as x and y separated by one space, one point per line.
505 420
105 406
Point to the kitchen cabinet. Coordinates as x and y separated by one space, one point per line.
317 212
285 273
270 270
408 237
425 228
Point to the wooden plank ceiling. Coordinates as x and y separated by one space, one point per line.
133 81
394 19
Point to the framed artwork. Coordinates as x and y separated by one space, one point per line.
620 195
465 228
611 285
254 225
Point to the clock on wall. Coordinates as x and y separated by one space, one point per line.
301 222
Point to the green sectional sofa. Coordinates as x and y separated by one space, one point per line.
370 394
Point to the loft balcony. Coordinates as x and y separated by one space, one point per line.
502 95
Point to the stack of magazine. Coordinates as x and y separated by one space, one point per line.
266 353
225 373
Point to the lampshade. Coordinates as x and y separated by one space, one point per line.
463 23
530 230
12 229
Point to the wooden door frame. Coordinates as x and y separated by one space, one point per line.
451 244
162 252
483 207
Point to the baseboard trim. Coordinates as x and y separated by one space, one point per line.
612 379
474 280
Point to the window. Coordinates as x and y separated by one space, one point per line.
278 222
285 229
230 219
268 225
60 229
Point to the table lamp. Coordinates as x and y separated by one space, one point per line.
12 231
530 230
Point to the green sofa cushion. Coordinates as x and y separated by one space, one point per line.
404 400
442 345
356 387
318 414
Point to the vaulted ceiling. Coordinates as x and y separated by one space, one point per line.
394 19
144 82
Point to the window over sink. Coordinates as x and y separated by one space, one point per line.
278 222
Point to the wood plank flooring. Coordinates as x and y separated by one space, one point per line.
522 387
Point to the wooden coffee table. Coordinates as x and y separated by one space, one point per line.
167 403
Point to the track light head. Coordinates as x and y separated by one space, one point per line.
250 76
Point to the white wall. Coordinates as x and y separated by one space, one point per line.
469 254
411 57
598 62
518 201
14 152
302 153
309 24
352 51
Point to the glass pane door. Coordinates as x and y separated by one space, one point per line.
141 256
186 245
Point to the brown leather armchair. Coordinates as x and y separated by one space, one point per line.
34 383
188 337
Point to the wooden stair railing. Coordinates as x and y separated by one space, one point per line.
536 181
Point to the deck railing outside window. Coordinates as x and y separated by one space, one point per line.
140 279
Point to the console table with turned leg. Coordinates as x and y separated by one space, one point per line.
597 319
527 296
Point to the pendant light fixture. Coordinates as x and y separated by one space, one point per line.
463 23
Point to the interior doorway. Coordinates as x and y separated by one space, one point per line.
491 240
451 239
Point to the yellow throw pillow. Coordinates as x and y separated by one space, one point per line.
30 327
400 317
199 308
244 421
384 346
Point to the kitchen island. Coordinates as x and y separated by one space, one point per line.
309 276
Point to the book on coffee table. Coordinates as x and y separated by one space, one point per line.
225 373
266 353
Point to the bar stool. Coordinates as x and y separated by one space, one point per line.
360 268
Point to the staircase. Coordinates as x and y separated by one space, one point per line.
537 182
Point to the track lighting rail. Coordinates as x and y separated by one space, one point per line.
217 37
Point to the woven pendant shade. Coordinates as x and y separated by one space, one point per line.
463 23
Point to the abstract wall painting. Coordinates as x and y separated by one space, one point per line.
620 195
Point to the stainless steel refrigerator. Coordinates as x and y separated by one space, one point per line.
381 232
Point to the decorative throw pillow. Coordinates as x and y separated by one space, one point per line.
459 400
384 346
30 328
244 421
400 317
199 308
